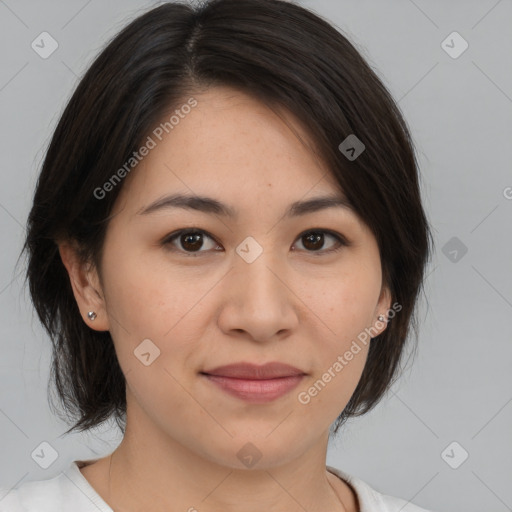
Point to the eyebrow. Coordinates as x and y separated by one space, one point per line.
210 205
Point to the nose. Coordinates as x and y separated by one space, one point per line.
258 300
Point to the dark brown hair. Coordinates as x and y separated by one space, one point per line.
278 52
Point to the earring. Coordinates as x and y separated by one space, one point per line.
92 315
381 318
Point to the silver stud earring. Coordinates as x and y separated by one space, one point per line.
92 315
381 318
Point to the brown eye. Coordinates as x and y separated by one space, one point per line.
189 241
314 241
192 242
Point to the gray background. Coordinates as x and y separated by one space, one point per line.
459 111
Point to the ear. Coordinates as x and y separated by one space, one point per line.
383 307
86 286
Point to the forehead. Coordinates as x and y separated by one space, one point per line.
233 147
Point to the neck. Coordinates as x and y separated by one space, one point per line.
167 476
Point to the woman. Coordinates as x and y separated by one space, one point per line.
226 247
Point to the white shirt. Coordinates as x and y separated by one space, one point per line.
70 491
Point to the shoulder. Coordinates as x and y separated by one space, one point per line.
371 500
64 492
395 504
40 495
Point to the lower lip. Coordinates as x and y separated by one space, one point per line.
256 391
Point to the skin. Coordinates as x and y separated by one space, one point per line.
296 303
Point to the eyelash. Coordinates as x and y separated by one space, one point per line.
169 239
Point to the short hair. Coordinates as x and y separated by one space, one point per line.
285 56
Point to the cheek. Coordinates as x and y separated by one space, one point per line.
345 303
134 294
138 289
149 299
147 311
344 309
339 357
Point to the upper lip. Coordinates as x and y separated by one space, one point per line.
271 370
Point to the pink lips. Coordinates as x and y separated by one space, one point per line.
255 384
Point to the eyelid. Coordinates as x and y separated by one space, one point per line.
339 237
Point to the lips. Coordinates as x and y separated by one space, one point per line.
250 371
255 384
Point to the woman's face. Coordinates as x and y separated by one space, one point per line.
256 287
